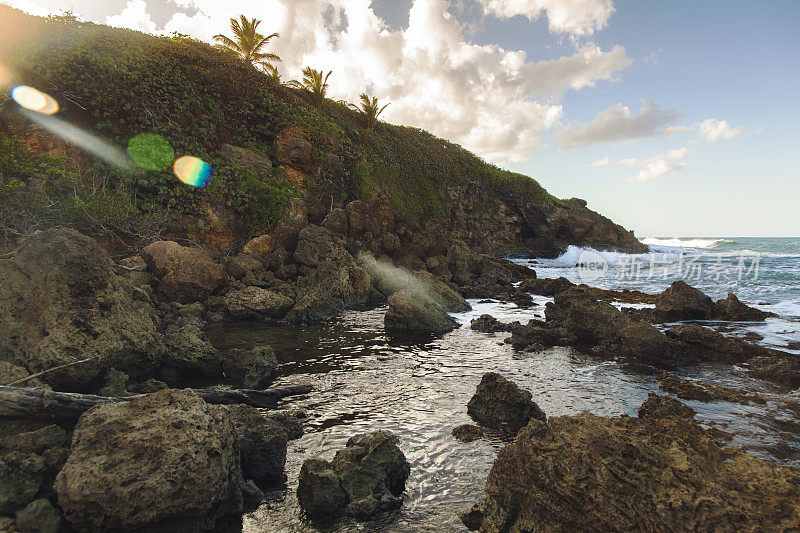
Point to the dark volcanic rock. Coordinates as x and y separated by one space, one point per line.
688 390
660 406
262 445
467 432
488 324
364 478
162 459
39 517
681 301
184 274
500 404
731 308
316 245
546 286
329 289
590 473
256 302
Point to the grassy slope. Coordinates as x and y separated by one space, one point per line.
119 83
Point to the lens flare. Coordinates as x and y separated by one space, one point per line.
151 152
192 170
34 99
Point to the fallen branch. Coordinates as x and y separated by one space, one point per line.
22 402
43 372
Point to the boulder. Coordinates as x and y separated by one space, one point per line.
188 353
591 473
316 245
256 302
439 267
249 369
336 221
262 445
463 263
60 302
731 308
546 286
242 265
488 324
681 301
467 432
261 246
366 477
293 219
660 406
589 321
500 404
413 312
184 274
166 460
703 392
21 477
329 289
642 341
39 517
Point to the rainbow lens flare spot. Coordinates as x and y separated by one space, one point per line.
34 99
151 152
192 170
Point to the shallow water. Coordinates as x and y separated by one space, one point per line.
363 381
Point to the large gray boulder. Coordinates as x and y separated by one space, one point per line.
500 404
366 477
166 460
329 289
316 245
413 312
262 445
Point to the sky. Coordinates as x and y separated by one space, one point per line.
671 118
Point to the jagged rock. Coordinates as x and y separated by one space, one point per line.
671 476
255 302
165 459
500 404
189 352
732 309
39 517
467 432
546 286
61 302
185 274
364 478
21 476
316 245
262 445
589 321
291 420
411 311
250 369
488 324
463 263
319 490
681 301
438 266
288 227
660 406
687 390
642 341
329 289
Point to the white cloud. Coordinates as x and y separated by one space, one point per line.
134 16
713 130
481 96
617 123
576 17
653 168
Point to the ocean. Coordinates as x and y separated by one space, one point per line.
762 272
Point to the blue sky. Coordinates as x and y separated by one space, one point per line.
672 118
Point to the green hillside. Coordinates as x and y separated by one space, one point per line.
118 83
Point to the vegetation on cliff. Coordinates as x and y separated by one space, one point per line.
119 83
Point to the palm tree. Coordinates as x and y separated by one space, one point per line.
314 82
248 43
369 106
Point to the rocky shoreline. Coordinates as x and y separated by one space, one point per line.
73 320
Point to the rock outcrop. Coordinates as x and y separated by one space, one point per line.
249 369
413 312
165 460
366 477
60 302
256 302
671 476
731 308
184 274
500 404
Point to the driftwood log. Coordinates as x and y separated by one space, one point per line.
21 402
